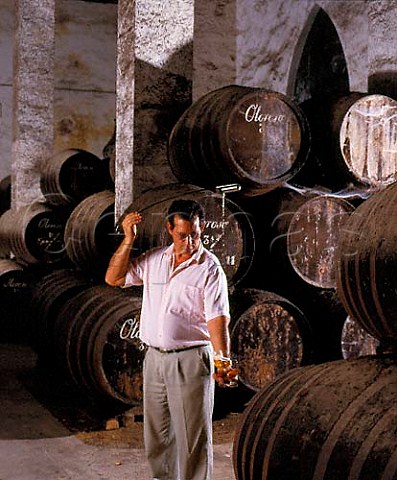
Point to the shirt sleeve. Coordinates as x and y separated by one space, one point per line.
134 276
216 299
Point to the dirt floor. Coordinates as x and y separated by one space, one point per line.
50 432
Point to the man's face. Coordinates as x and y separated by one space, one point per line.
185 235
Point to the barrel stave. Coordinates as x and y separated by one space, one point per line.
366 265
49 294
330 421
91 350
236 134
313 238
89 233
71 175
269 336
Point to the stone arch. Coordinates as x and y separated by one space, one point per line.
318 65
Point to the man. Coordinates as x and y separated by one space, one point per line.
184 322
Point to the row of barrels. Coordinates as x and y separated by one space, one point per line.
262 139
300 231
66 178
303 170
337 420
89 331
90 240
53 254
85 236
40 233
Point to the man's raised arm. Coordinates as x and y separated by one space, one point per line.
118 265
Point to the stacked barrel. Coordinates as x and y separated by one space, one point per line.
303 170
321 288
334 420
337 420
251 136
297 173
55 252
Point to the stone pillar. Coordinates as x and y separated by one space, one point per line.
125 105
154 74
163 84
33 97
215 45
382 48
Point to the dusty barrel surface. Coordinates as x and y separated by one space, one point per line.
228 232
34 233
313 238
269 336
298 233
72 175
353 140
251 136
97 343
367 262
89 232
49 294
368 140
355 341
335 421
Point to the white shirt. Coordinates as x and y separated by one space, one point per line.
178 303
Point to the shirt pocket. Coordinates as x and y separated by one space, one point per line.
187 300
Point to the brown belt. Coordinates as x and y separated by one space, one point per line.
176 350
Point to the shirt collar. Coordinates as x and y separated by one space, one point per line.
195 257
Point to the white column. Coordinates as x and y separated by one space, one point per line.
33 123
125 105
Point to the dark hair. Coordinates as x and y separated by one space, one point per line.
187 209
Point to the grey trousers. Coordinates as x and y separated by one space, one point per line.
178 406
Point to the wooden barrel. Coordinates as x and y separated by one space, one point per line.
272 269
250 136
34 233
72 175
335 421
6 224
269 336
367 263
89 233
298 234
368 140
49 294
5 194
313 238
15 291
356 342
228 232
354 141
97 343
